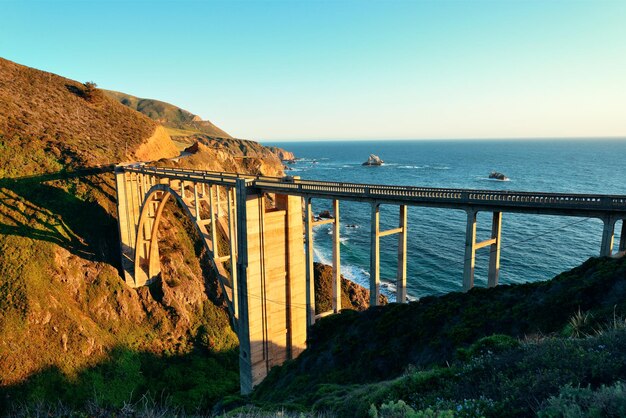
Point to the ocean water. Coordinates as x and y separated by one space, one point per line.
534 247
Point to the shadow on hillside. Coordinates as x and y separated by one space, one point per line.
32 208
195 381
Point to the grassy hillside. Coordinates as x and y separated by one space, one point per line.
70 329
426 351
48 123
180 121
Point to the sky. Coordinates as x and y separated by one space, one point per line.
345 69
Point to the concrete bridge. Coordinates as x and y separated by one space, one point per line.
260 242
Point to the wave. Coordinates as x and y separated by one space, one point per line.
496 180
359 275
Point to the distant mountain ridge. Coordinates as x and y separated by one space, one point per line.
169 115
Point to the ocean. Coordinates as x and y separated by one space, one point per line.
534 247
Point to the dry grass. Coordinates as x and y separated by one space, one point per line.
47 123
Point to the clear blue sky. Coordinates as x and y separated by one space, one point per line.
345 69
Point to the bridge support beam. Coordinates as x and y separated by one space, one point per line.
494 250
470 251
336 259
608 235
310 272
125 224
271 290
402 256
375 255
471 246
622 238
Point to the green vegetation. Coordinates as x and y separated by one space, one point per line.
496 352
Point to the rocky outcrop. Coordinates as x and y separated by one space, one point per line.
498 176
353 296
373 160
232 155
284 155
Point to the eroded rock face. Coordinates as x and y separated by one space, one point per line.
157 146
284 155
232 155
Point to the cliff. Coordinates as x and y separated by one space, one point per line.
284 155
234 155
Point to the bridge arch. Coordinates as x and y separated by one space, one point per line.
147 266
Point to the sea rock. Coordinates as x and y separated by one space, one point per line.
373 160
325 214
498 176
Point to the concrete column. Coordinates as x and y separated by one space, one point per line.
608 233
140 188
127 254
134 207
154 266
375 255
233 250
310 272
622 238
494 251
402 240
196 201
336 259
296 271
470 251
245 365
213 224
217 199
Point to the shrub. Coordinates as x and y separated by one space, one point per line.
91 92
496 343
607 401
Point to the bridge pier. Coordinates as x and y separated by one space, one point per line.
608 235
471 246
375 236
622 238
375 255
271 292
336 259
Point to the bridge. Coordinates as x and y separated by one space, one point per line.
258 233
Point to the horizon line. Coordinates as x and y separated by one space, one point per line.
533 138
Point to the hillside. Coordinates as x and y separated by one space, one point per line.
70 330
503 351
169 115
47 123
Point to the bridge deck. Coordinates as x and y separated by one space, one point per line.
566 204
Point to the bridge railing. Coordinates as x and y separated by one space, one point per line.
377 191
